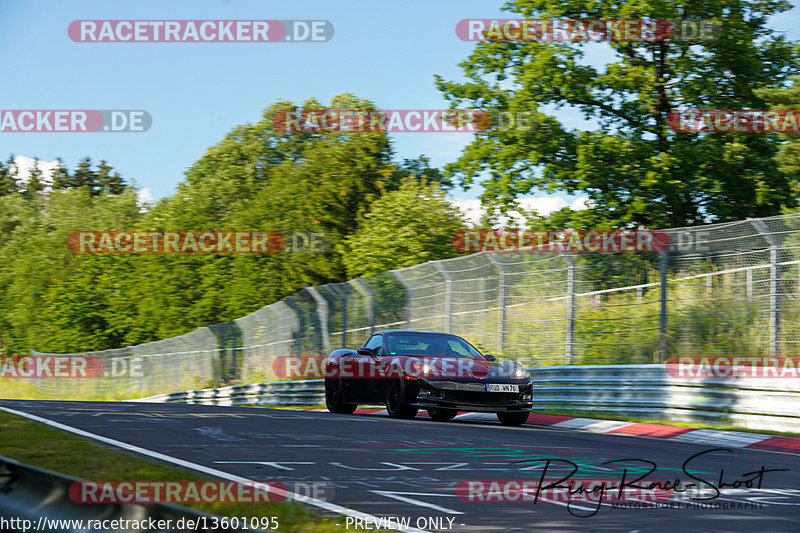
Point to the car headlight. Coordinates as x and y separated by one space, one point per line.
420 368
520 373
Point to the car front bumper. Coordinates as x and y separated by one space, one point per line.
472 396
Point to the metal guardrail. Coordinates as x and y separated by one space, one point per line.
631 390
304 392
41 498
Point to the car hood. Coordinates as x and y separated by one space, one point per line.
459 368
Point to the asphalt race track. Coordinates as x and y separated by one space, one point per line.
410 468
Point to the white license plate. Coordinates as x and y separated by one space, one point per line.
499 387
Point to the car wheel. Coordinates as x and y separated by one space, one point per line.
398 400
334 397
442 415
512 419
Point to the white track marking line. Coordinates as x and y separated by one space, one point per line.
396 496
206 470
278 465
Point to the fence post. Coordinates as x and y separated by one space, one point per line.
663 267
501 302
371 307
343 296
749 282
774 287
570 338
407 287
293 326
322 313
774 303
448 281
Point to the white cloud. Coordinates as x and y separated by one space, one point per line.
25 165
144 197
471 209
580 203
544 205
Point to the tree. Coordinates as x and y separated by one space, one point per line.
106 181
635 170
8 177
410 225
422 168
8 184
61 177
34 184
786 98
84 176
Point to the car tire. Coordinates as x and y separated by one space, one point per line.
513 419
398 400
442 414
334 398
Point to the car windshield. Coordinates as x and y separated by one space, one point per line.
430 345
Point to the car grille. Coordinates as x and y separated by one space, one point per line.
481 396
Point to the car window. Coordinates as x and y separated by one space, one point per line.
429 344
376 343
458 348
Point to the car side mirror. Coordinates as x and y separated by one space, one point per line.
489 357
365 351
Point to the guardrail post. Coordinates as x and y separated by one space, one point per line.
663 267
501 302
322 313
407 287
448 281
371 307
570 337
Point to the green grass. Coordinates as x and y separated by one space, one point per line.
38 445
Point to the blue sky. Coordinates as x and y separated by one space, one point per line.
196 92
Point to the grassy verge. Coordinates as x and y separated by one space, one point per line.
42 446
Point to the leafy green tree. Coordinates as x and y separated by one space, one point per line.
260 177
786 98
634 168
44 286
421 167
410 225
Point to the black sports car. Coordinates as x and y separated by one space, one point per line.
442 373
